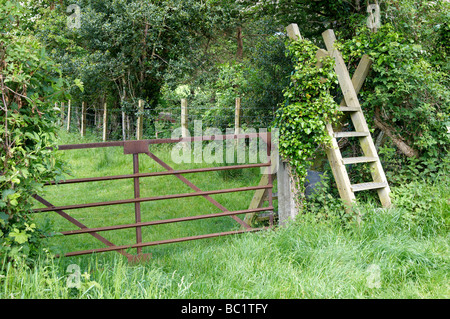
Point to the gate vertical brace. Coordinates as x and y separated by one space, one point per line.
137 205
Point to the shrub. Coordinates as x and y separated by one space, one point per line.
30 86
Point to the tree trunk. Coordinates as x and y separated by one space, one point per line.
240 44
124 137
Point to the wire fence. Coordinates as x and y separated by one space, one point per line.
122 124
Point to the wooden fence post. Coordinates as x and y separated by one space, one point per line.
62 113
184 121
293 32
287 208
68 117
140 121
184 118
104 121
237 116
83 119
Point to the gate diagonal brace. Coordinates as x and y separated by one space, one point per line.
81 225
191 185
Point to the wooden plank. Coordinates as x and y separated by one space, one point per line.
351 134
257 200
362 159
320 54
357 80
345 82
293 32
348 108
339 170
287 207
361 73
367 186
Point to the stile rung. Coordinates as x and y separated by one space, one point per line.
351 134
367 186
362 159
349 109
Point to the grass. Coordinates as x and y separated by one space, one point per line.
306 259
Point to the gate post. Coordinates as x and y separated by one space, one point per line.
287 209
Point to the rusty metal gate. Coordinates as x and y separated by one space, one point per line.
136 148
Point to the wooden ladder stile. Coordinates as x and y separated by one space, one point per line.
350 104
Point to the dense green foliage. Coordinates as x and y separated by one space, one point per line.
405 97
30 85
405 94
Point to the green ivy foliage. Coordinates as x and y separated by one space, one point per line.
307 107
404 88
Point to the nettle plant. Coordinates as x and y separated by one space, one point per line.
308 106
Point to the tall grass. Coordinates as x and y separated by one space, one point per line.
402 252
302 260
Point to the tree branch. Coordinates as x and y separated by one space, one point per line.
397 140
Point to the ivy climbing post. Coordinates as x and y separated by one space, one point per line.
301 119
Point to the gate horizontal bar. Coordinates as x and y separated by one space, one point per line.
161 242
165 221
148 199
165 140
173 172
